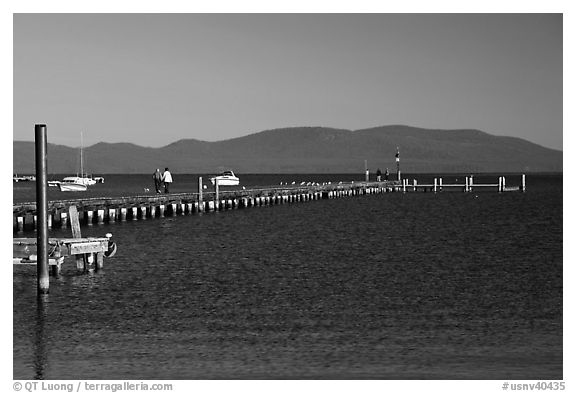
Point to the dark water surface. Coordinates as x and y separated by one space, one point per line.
390 286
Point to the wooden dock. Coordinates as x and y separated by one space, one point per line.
110 209
87 251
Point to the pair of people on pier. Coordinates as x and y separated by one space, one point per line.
162 179
379 175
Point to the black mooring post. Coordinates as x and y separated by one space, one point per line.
42 208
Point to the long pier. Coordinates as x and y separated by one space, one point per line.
110 209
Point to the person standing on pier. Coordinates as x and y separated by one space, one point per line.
167 179
378 175
157 176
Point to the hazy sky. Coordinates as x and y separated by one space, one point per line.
152 79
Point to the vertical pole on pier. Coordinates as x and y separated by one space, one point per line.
500 184
470 183
523 182
42 207
398 163
217 200
503 183
404 185
414 184
435 184
200 206
440 184
366 171
466 188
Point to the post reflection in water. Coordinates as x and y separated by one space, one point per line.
40 350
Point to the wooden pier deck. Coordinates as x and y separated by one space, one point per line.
110 209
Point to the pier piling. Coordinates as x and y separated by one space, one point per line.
200 206
64 219
100 213
523 183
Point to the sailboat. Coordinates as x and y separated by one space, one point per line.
77 183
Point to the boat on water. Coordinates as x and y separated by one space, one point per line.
17 178
72 185
226 178
86 180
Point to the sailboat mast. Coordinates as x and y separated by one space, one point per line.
81 155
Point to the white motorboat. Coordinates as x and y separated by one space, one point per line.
226 178
71 186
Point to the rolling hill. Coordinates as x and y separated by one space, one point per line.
310 150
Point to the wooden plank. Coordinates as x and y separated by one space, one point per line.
89 247
74 221
54 240
75 224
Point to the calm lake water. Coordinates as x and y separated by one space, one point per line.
391 286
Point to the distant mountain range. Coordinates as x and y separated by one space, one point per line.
309 150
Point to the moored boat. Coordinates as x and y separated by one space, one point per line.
226 178
83 178
72 186
88 181
17 178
